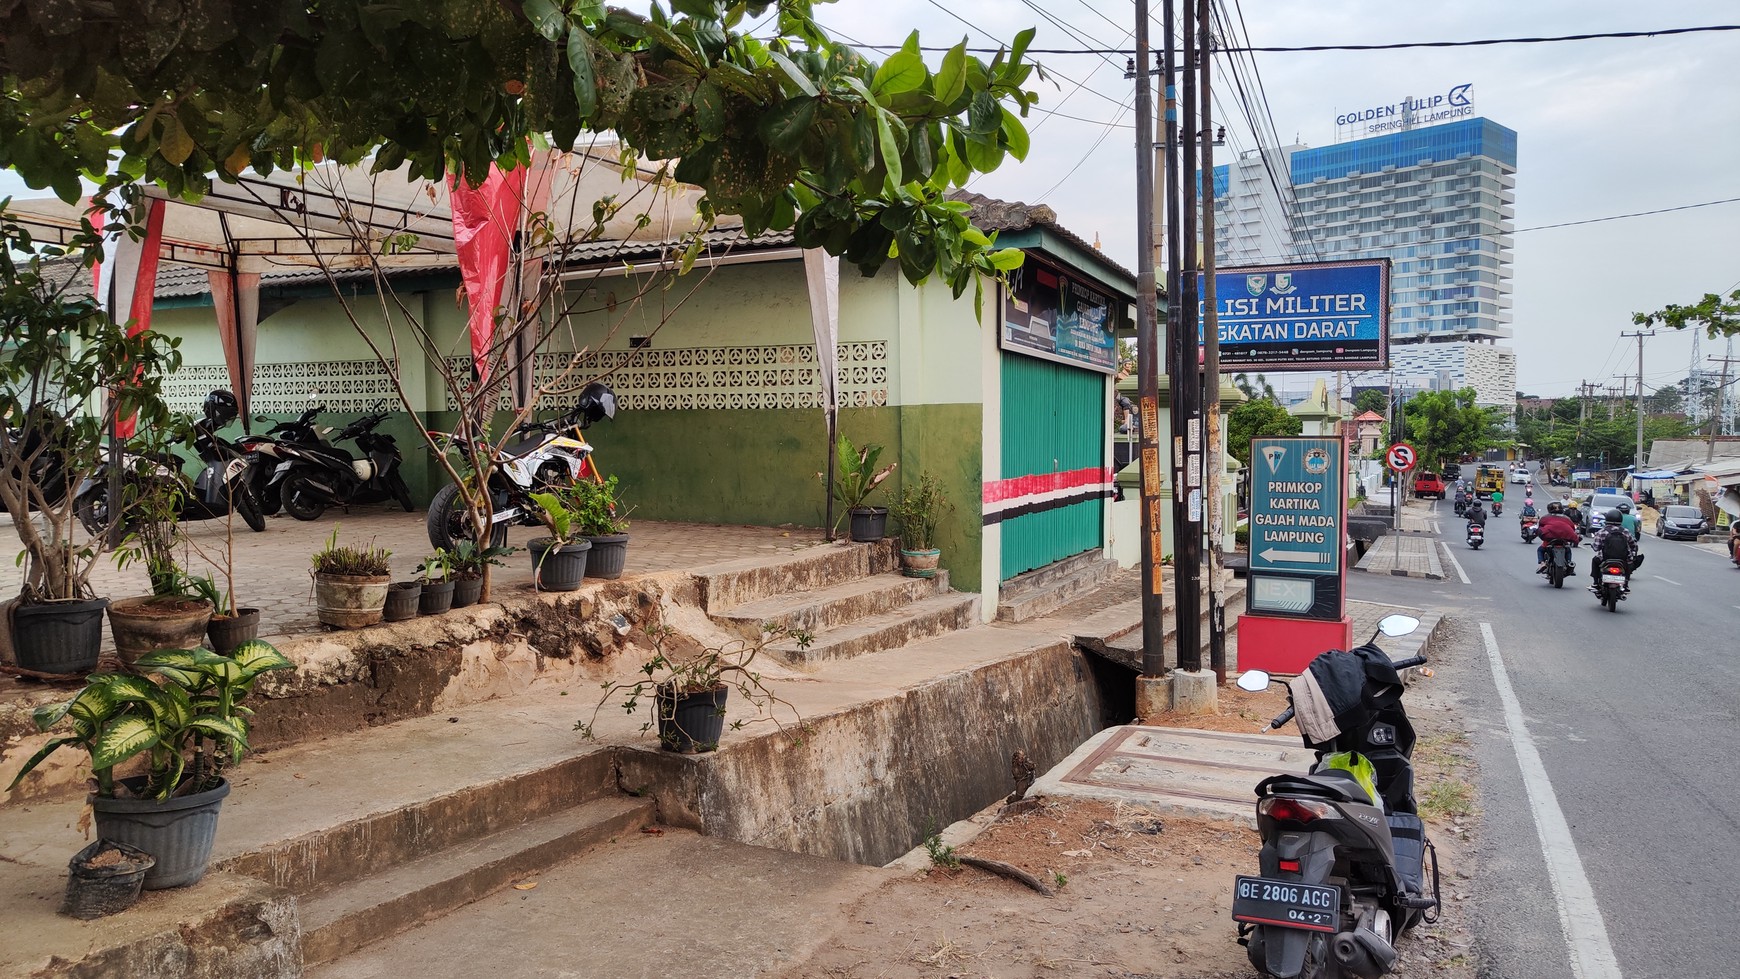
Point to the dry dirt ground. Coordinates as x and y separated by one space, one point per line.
1139 894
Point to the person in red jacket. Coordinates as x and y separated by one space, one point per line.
1555 526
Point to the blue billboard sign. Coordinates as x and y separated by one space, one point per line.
1298 509
1312 316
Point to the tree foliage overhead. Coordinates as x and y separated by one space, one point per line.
1372 399
1718 316
793 132
1258 418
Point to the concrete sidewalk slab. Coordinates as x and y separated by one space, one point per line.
1208 773
1403 555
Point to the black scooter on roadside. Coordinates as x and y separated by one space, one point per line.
1346 866
224 483
310 478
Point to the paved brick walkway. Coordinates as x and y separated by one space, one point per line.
1403 554
272 567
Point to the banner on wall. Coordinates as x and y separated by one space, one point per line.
1055 315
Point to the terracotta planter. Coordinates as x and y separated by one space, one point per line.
919 564
350 601
226 632
150 622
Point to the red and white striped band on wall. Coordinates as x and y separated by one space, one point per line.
1018 496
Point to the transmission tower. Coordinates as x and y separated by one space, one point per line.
1694 399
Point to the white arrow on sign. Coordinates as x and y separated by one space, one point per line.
1295 557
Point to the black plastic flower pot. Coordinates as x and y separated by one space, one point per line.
869 523
104 878
58 637
609 555
226 632
178 831
691 722
558 568
437 597
403 598
466 591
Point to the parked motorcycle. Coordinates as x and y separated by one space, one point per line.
1610 589
311 478
226 482
554 453
1476 535
264 449
1344 861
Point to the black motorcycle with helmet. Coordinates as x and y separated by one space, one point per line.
310 478
224 483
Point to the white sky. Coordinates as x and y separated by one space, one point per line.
1605 127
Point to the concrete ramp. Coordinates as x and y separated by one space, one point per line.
1210 773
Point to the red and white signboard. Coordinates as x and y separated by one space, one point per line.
1401 457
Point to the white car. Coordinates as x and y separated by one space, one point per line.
1520 477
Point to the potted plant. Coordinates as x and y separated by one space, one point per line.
688 695
466 563
404 599
855 478
558 560
600 518
230 626
174 615
436 577
185 717
918 510
63 357
350 584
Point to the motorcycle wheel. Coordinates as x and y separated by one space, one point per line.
300 501
93 512
449 521
1610 598
269 503
1557 575
248 506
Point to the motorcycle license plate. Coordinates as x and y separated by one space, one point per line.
1289 904
1613 579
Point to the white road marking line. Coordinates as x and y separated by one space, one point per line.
1668 580
1580 917
1455 563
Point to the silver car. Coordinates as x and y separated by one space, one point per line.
1681 521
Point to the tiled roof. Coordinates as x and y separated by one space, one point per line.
991 214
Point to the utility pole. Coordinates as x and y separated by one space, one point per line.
1211 459
1186 376
1637 460
1585 391
1717 413
1148 364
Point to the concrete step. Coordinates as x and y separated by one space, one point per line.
888 630
405 831
338 921
1039 593
834 606
726 585
1124 646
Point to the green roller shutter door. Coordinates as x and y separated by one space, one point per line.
1054 420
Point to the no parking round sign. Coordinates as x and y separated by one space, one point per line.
1401 457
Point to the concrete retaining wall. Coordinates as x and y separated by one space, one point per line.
867 784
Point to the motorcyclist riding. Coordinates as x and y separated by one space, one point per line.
1612 543
1475 514
1628 517
1555 527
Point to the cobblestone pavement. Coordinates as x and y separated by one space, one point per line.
272 569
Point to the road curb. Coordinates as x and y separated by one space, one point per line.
1403 573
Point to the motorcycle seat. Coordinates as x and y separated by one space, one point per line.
1408 839
523 447
1331 783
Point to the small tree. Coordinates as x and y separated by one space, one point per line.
1256 419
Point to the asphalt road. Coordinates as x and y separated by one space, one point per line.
1627 727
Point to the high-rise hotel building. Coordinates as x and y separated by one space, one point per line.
1438 201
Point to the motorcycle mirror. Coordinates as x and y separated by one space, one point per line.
1253 681
1397 625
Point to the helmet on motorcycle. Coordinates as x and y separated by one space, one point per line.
1614 516
220 408
1624 507
1556 507
596 401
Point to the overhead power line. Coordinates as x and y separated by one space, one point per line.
1396 46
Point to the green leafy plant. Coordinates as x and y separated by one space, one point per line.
855 472
730 665
206 587
598 512
350 560
186 718
919 508
941 854
467 560
437 566
557 516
